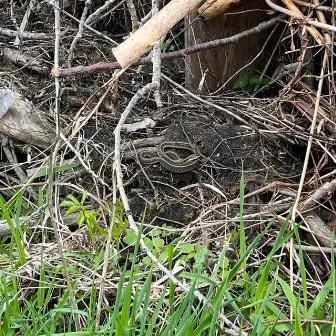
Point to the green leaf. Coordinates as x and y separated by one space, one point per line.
254 80
198 278
83 197
130 239
265 81
73 209
187 248
44 171
319 298
73 199
80 219
189 256
155 232
149 243
158 242
146 260
67 203
163 255
292 299
241 82
102 231
226 263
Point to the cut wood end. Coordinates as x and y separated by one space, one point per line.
210 9
55 72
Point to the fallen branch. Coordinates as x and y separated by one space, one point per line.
102 67
152 31
16 57
316 224
25 35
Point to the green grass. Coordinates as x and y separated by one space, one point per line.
34 298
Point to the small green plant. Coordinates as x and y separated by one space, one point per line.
120 223
87 217
249 83
156 242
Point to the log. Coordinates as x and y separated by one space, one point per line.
152 31
20 120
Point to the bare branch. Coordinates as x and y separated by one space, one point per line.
102 67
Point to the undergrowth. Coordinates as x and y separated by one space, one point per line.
254 294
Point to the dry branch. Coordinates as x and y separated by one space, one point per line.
152 31
16 57
24 22
295 13
20 120
316 224
101 67
25 35
311 6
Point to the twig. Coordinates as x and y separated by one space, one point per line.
328 40
311 6
11 157
108 13
51 3
307 248
88 169
80 31
19 38
326 189
300 64
249 63
14 21
107 252
53 156
305 165
98 12
133 14
25 35
235 116
156 61
302 19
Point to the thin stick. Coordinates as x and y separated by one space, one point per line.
156 78
305 165
107 252
80 31
53 157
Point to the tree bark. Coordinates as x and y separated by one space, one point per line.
223 62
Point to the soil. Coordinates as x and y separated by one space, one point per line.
227 149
